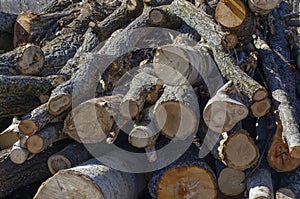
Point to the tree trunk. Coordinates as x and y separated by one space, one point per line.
15 176
71 156
90 180
238 150
225 109
176 112
45 137
25 60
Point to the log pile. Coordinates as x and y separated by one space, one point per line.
85 83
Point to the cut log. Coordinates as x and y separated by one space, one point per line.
35 86
71 156
19 153
234 16
45 137
13 176
285 193
225 109
144 87
10 135
26 60
188 177
262 7
279 157
176 112
93 120
90 180
261 108
130 9
238 150
213 35
17 104
35 120
230 181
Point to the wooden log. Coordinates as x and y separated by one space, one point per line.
157 2
57 5
35 120
238 150
93 120
291 181
90 180
15 7
213 35
19 153
130 9
259 184
284 96
176 112
261 108
45 137
10 135
17 104
285 193
144 87
263 7
7 21
66 158
6 42
35 86
230 181
25 60
225 109
13 176
279 157
188 177
235 17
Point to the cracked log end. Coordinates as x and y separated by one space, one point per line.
28 127
57 163
187 182
59 104
261 108
230 181
32 60
157 16
285 193
35 144
260 94
238 150
139 137
129 108
175 119
18 154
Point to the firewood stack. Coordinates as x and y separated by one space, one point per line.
225 78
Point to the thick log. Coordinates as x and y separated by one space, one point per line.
280 82
285 193
225 109
235 17
176 112
57 5
25 60
71 156
279 157
10 135
45 137
130 9
213 35
238 150
91 180
262 7
35 120
93 120
188 177
17 104
15 176
261 108
19 153
144 87
35 86
291 181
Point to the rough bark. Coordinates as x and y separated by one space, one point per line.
7 22
238 150
91 180
224 110
176 112
36 120
57 5
213 35
93 120
45 137
71 156
17 6
10 135
25 60
15 176
291 181
285 193
262 7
